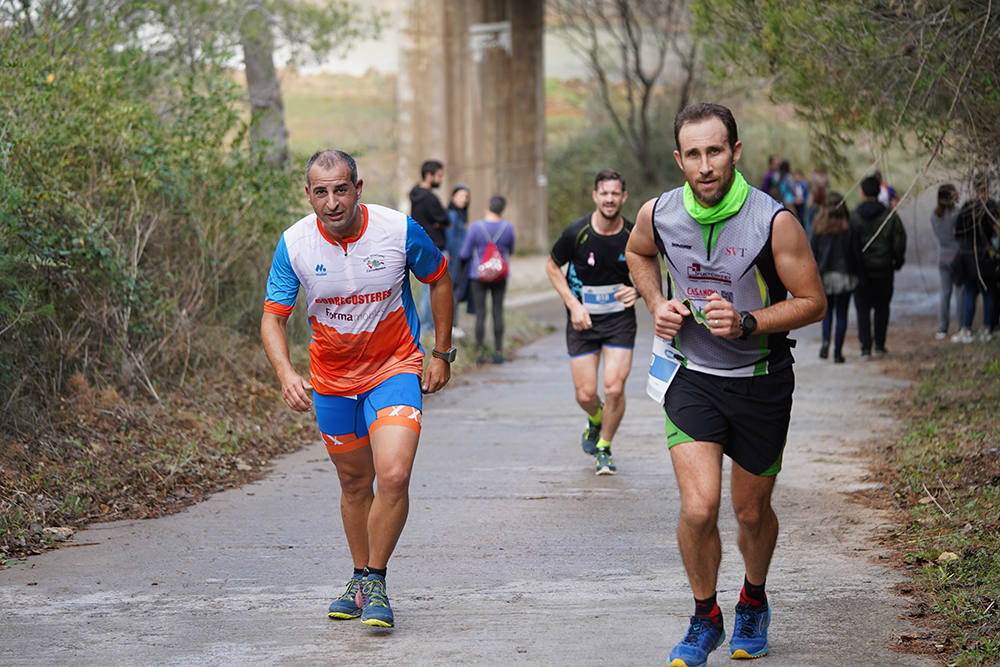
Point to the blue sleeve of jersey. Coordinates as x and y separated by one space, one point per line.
282 283
422 257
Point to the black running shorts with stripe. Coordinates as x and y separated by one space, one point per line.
612 330
748 416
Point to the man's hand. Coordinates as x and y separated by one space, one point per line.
668 316
627 295
296 392
436 375
722 318
579 317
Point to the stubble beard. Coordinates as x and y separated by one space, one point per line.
721 193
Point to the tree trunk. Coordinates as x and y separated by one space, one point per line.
267 111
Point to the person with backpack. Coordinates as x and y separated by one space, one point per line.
600 312
880 248
487 247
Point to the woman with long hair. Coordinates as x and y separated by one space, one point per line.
832 246
943 223
458 219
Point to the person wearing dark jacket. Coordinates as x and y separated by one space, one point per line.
880 249
832 246
426 209
975 266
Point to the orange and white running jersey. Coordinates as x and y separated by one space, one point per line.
364 323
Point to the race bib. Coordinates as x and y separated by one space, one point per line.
663 366
600 299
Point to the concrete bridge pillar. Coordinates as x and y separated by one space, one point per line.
471 95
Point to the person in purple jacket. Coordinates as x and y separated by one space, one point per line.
491 228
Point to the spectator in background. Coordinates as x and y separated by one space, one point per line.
943 224
881 246
491 229
426 209
800 193
887 195
786 185
833 248
818 182
458 218
975 229
769 184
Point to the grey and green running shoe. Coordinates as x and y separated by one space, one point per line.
346 606
603 463
375 609
590 437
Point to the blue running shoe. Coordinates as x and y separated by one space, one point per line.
375 609
590 437
346 605
750 632
702 638
603 463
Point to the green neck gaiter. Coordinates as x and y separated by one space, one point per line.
728 207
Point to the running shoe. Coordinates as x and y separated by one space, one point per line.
963 336
603 463
346 605
750 632
986 336
590 437
702 638
940 335
374 602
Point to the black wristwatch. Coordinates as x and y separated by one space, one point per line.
748 323
448 356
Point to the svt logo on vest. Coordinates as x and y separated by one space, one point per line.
733 251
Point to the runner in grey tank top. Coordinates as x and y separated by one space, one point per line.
723 368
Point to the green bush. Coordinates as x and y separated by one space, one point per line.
134 218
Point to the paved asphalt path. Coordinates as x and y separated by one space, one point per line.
514 553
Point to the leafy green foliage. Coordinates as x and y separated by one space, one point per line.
132 215
889 67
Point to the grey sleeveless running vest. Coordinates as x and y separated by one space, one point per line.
736 261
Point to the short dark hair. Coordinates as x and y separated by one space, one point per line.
331 158
430 167
870 186
497 204
609 175
703 111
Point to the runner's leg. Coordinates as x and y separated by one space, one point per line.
356 473
758 524
698 468
617 364
584 371
393 450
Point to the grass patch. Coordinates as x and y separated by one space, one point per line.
945 478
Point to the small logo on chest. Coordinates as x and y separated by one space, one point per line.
320 270
696 272
374 263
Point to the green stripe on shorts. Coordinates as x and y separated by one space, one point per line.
675 436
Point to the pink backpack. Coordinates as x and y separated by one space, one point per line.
492 264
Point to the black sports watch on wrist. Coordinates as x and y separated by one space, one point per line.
448 356
748 323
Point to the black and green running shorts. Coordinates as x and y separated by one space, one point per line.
748 416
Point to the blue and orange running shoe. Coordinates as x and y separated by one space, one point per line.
603 463
702 638
346 605
374 602
750 632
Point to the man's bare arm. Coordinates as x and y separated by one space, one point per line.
443 309
296 391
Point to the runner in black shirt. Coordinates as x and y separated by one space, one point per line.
600 300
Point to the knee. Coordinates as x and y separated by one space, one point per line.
586 394
752 517
700 516
614 392
394 480
354 484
